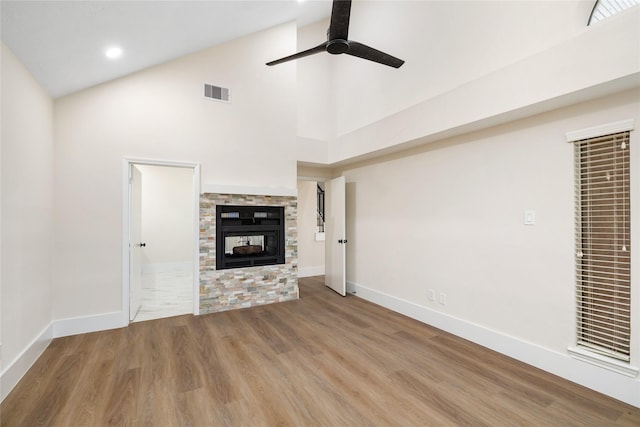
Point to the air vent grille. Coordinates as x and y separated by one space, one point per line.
216 92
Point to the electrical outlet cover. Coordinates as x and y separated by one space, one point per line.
443 298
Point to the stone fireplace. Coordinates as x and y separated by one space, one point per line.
248 251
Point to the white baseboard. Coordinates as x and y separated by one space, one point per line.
311 271
56 329
163 267
86 324
21 364
618 386
612 384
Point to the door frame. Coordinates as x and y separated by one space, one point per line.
128 162
327 179
315 179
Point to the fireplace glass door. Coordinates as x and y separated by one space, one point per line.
249 236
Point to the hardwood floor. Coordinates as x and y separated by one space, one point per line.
321 361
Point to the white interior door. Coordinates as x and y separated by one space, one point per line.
135 242
335 236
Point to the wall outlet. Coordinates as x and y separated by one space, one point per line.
432 295
529 217
443 298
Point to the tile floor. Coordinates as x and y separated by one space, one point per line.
166 294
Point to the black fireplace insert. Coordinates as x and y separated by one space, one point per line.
248 236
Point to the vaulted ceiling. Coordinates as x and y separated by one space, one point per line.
63 43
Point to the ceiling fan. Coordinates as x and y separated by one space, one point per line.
338 42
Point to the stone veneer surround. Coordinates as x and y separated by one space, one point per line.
222 290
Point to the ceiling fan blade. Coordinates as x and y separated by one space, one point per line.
339 26
320 48
365 52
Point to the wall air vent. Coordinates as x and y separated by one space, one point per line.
216 92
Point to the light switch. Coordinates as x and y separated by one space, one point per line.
529 217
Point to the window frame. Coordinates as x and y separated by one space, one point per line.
603 10
582 353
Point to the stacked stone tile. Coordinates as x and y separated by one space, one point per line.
222 290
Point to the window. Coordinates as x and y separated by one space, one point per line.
603 246
603 9
320 206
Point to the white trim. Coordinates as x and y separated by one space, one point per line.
196 240
635 243
126 202
315 178
87 324
603 362
317 270
256 191
605 381
312 178
600 130
153 162
580 353
127 163
15 370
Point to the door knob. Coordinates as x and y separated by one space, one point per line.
142 245
342 241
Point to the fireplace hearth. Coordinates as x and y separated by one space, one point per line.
249 236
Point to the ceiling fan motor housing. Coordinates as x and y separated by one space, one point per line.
337 41
337 46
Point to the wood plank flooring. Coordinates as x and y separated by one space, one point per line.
324 360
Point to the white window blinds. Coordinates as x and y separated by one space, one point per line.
603 261
602 9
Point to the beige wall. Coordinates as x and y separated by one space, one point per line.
167 216
459 200
445 44
463 73
27 213
483 101
457 208
312 173
316 116
310 251
160 114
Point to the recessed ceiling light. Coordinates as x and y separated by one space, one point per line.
113 52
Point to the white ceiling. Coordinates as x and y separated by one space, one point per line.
62 43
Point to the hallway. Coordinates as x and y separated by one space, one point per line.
166 294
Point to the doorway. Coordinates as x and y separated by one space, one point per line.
162 240
323 240
311 256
